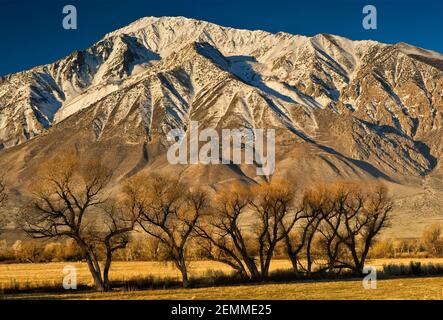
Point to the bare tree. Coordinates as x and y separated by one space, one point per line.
319 203
220 248
119 222
168 210
315 205
358 217
247 222
331 244
67 201
223 238
273 205
294 243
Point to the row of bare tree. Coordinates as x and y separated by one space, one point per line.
343 217
240 226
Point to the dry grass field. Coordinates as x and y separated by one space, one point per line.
392 289
27 275
36 275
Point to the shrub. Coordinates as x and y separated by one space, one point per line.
413 268
382 249
432 241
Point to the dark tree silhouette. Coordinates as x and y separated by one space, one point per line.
168 210
68 201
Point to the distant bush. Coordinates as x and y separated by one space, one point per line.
33 251
432 240
141 249
382 249
413 268
430 245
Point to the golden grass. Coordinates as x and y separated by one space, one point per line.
29 276
392 289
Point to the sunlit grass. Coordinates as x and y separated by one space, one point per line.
408 288
31 276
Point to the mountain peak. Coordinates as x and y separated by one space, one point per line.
293 72
149 21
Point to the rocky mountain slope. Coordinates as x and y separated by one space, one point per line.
341 109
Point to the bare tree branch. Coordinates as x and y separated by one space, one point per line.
68 201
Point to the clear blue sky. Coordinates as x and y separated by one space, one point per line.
31 31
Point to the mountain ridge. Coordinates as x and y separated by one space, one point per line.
64 92
341 109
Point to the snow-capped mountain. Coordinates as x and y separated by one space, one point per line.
342 108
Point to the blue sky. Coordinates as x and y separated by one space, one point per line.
32 34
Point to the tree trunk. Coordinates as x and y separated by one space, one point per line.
181 264
292 253
358 269
294 261
267 263
106 268
253 270
93 266
185 280
309 256
96 276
